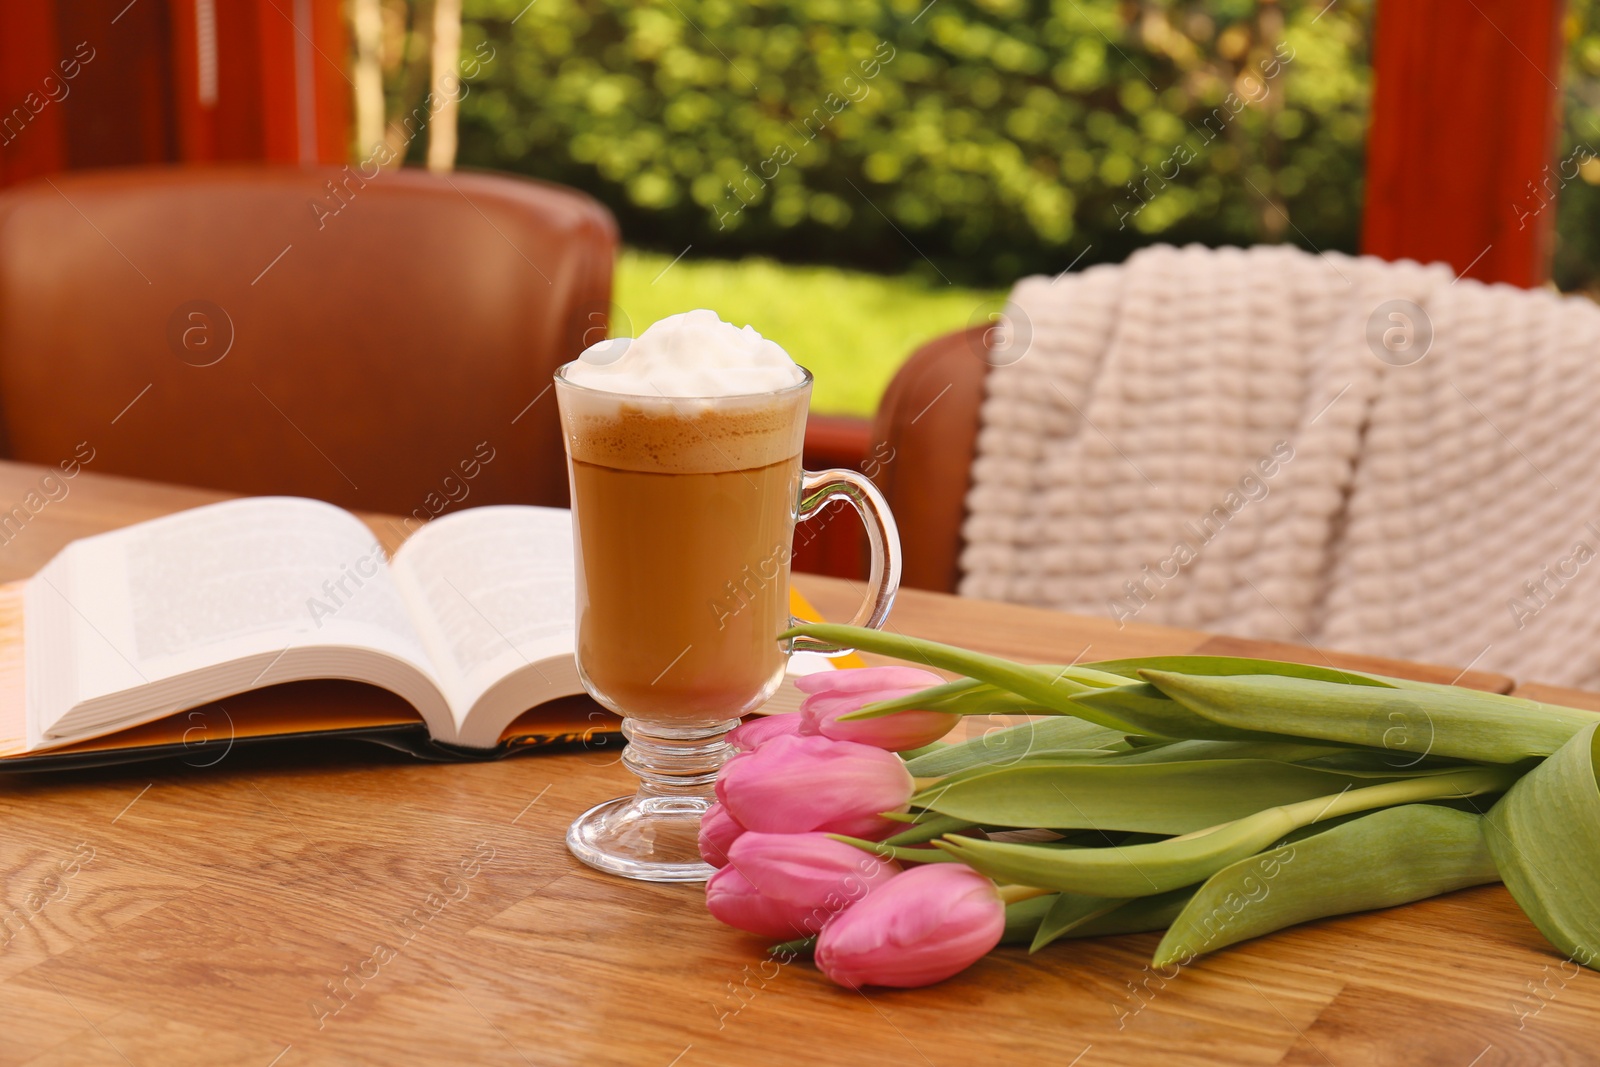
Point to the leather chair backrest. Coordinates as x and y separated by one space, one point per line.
383 341
925 437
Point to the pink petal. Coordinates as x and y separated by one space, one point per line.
922 927
862 679
760 729
733 900
798 783
718 830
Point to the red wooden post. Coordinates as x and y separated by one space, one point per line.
332 80
32 138
1461 163
261 80
194 81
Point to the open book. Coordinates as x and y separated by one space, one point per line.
471 623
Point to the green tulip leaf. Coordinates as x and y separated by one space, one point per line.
1545 837
1380 761
1459 723
1283 751
1012 743
1159 798
1147 710
1157 867
1068 911
1023 918
1389 857
1225 665
1137 916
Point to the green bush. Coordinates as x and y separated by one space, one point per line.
1573 178
972 140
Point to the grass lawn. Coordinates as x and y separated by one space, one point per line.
852 330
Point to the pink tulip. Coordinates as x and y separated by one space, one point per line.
836 693
732 899
922 927
794 784
809 870
797 881
718 830
760 729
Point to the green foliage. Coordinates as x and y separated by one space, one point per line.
1545 837
851 330
1393 856
1282 847
972 140
1573 180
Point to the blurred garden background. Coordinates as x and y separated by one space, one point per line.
853 177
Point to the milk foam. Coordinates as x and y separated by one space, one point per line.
693 354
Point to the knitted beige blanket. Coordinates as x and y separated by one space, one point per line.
1261 442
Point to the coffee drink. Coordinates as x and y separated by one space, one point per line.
683 514
683 447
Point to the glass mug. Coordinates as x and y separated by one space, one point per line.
683 516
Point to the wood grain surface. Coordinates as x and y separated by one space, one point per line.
338 904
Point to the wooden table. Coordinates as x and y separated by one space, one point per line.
273 909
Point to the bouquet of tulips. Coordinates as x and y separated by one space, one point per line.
1215 798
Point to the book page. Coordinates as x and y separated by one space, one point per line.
492 591
218 584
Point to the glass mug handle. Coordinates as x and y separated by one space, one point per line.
816 491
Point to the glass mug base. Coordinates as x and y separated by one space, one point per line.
654 835
652 839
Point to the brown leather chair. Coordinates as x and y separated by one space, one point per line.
381 341
925 436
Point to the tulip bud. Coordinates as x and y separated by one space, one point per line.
920 928
802 882
718 830
836 693
751 735
794 784
811 871
731 899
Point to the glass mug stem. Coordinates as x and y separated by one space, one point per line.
683 516
654 835
676 761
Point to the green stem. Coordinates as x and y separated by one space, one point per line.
927 829
931 699
1016 894
800 946
885 851
1052 690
